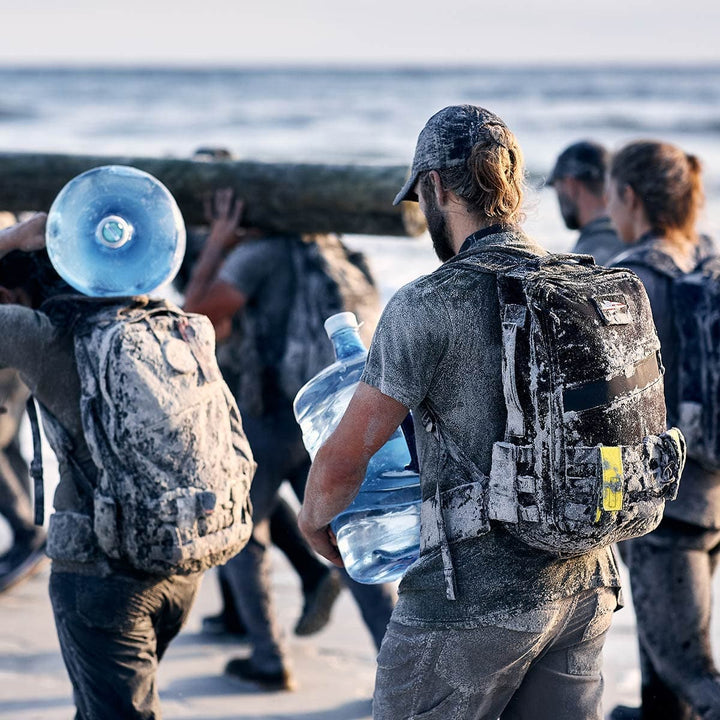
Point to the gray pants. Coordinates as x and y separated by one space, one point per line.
278 449
671 572
113 631
541 665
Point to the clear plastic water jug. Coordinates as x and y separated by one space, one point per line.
378 535
115 230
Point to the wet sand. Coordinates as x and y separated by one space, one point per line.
334 669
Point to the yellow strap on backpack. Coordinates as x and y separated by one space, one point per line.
613 478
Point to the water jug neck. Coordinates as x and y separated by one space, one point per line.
347 343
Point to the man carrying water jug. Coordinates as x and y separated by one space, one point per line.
489 622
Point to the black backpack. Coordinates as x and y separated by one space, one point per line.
586 459
329 278
696 315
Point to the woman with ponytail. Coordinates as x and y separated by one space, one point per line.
654 198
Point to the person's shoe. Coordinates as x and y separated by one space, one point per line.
624 712
221 624
242 669
318 604
21 561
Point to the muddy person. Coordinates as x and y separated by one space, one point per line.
268 296
578 179
655 196
485 625
27 552
122 583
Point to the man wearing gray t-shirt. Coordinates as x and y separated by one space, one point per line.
245 282
114 622
492 627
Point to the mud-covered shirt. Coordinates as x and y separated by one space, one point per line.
439 343
44 357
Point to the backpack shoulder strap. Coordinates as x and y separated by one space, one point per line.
437 531
36 465
499 259
649 257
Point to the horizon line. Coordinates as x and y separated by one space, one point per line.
351 65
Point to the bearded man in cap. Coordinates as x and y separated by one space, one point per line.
578 179
485 625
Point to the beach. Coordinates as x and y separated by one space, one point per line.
334 669
324 116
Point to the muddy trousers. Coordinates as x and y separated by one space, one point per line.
544 664
278 449
671 572
113 631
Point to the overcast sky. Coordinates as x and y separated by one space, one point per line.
358 31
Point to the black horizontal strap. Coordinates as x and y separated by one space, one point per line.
602 392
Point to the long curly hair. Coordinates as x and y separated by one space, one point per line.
493 178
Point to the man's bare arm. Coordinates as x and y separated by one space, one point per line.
204 293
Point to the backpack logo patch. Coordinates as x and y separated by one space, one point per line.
613 309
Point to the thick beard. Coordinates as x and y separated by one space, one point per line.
437 227
569 212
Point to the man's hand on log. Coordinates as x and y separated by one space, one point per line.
223 211
30 234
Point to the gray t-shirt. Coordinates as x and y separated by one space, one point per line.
261 269
439 343
45 359
599 239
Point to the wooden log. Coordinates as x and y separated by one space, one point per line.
279 197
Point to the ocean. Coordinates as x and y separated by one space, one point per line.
357 115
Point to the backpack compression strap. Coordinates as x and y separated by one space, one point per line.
36 466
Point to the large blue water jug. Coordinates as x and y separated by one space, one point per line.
378 535
115 230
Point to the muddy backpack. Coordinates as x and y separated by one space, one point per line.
696 315
329 278
586 459
173 464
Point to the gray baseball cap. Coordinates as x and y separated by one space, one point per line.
447 141
584 160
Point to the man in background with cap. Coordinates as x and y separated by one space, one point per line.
485 625
579 182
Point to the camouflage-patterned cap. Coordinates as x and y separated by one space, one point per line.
447 141
585 160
